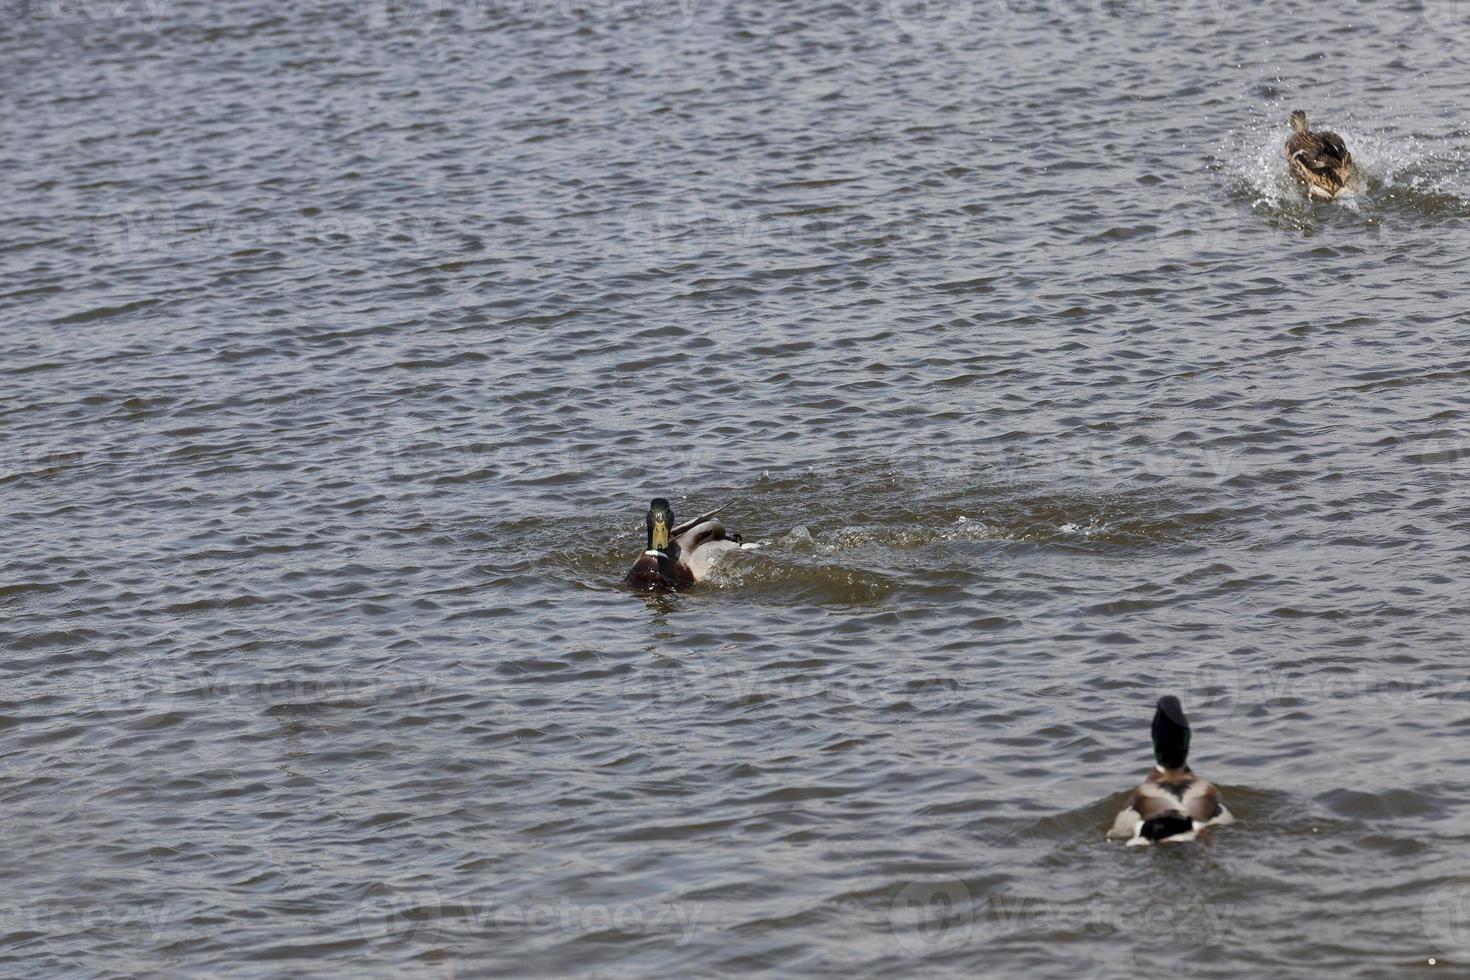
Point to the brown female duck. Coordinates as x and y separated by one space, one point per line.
1320 160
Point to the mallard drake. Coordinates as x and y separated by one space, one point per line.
1172 804
1320 160
679 554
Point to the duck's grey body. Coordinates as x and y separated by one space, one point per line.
701 545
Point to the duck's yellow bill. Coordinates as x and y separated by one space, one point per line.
660 535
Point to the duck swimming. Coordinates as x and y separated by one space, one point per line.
1172 804
679 554
1320 160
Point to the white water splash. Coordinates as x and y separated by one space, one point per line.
1427 175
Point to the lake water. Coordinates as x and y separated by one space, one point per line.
343 346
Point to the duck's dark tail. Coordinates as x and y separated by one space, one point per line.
1169 825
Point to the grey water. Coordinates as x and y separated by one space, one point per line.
342 346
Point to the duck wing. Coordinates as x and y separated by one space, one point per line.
1157 800
1332 145
1149 801
1202 802
683 526
1319 152
1169 808
698 535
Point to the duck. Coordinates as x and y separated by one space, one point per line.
1172 804
1320 160
680 554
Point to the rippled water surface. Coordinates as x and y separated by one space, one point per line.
344 344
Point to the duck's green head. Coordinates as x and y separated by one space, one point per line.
1299 121
660 522
1171 734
